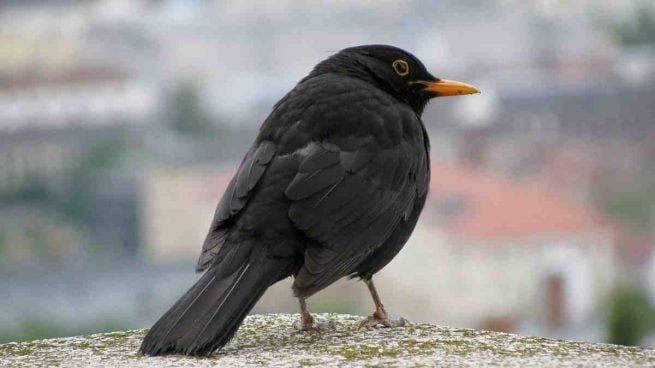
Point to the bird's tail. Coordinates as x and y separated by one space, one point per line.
208 315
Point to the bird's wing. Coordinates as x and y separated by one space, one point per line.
349 195
235 198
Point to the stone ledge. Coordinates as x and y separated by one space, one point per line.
272 341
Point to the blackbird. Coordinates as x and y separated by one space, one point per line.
332 186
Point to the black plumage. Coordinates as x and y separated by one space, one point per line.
332 187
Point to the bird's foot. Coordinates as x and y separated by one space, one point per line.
307 324
319 327
381 319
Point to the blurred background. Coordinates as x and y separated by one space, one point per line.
122 121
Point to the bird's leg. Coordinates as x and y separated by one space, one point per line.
380 316
307 321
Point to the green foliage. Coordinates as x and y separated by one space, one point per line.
33 191
76 200
3 245
630 316
634 207
639 29
188 117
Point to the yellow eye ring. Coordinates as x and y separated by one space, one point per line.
401 67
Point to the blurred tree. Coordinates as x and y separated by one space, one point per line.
632 206
639 29
3 245
34 190
188 116
630 316
76 200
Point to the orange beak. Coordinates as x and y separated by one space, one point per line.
445 87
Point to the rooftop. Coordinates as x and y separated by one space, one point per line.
477 204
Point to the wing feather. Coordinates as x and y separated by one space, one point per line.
349 201
234 199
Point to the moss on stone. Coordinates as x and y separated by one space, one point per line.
272 340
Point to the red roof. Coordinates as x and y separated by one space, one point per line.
477 204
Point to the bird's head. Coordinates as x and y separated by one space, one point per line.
395 71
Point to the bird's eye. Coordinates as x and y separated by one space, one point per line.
401 67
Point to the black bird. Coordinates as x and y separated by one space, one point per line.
332 187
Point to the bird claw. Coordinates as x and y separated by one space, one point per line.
374 321
309 325
319 327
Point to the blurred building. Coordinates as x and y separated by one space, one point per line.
60 131
49 119
176 210
501 255
610 125
579 123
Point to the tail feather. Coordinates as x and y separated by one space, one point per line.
209 314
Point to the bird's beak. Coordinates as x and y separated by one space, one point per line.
445 87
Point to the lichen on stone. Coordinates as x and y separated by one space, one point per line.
274 341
